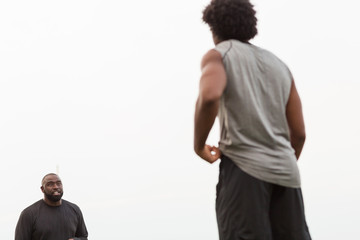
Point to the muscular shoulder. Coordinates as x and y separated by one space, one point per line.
213 77
212 56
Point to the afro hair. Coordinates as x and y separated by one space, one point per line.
231 19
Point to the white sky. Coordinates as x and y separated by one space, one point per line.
105 91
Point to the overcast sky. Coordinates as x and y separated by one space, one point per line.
104 91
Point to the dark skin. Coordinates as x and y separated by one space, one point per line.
295 121
212 86
52 184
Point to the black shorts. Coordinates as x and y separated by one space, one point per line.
251 209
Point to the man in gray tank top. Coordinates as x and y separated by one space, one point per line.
262 130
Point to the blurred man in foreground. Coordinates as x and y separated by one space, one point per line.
262 130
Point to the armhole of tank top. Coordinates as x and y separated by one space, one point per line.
226 52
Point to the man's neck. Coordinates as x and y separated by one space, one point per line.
51 203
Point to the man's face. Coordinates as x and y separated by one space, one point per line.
52 188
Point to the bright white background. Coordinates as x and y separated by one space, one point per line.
104 92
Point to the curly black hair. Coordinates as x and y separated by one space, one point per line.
231 19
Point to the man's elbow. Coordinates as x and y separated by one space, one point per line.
210 97
298 138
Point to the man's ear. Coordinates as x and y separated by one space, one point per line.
42 188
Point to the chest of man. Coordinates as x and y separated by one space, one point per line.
55 223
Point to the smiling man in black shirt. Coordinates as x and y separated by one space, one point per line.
51 218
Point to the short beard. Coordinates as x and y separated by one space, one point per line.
54 198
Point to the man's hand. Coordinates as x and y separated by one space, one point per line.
209 153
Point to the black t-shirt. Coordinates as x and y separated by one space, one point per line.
43 222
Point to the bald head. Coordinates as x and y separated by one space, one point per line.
43 181
52 188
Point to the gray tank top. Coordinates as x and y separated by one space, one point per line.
252 114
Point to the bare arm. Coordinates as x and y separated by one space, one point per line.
295 120
212 85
